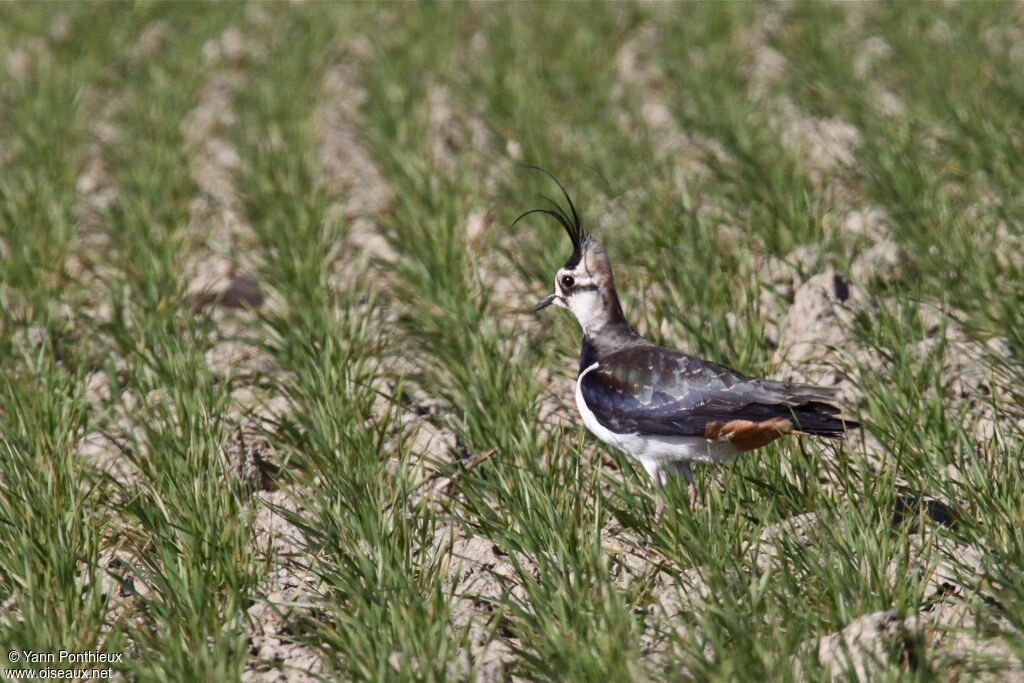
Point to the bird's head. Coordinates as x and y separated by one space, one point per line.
585 284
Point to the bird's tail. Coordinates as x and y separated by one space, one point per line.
816 422
814 411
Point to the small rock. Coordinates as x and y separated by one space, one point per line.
868 645
217 281
657 115
514 150
888 103
958 566
823 144
939 32
400 661
768 68
814 324
729 236
60 27
250 465
880 263
152 39
364 241
636 62
873 50
870 224
938 511
478 225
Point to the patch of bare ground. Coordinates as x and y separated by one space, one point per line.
812 310
811 305
778 540
1004 243
482 578
870 59
285 596
347 170
670 591
640 79
97 190
220 272
1005 41
873 643
456 133
88 261
825 147
816 327
868 646
459 135
969 371
874 264
216 270
875 260
950 573
88 265
27 58
360 195
459 138
288 591
765 67
222 247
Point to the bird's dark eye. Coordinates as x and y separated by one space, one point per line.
568 281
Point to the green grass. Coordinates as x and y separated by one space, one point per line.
137 141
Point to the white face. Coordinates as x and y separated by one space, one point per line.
584 285
578 290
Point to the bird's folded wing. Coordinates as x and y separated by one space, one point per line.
652 391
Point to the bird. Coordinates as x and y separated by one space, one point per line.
668 409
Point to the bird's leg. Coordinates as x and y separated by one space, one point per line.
657 475
659 506
687 472
660 477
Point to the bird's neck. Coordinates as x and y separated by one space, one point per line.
606 332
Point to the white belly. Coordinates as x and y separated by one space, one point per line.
656 451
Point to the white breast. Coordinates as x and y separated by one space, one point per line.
654 450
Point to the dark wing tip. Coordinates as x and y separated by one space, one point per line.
824 425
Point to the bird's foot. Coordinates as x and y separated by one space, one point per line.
693 495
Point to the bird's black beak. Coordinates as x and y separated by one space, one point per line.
545 302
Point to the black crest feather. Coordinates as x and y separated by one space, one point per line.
570 220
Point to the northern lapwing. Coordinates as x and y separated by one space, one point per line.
665 408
